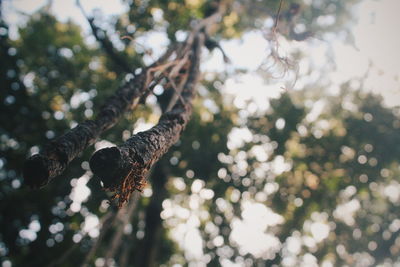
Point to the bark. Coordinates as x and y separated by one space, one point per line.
123 169
137 155
39 169
147 249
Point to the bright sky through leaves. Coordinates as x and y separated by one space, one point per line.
374 54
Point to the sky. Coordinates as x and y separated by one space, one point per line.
378 42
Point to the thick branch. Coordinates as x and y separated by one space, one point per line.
123 169
39 169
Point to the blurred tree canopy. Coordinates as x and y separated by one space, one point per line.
283 186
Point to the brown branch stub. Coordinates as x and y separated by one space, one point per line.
123 169
37 170
41 168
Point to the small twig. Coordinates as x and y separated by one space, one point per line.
177 94
177 91
278 16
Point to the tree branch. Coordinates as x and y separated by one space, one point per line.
39 169
123 169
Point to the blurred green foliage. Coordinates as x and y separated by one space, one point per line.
333 180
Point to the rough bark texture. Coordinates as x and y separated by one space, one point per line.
135 157
39 169
123 169
52 161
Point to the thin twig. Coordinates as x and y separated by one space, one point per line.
278 16
106 43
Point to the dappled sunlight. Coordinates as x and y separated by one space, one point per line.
251 234
79 193
290 157
252 89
